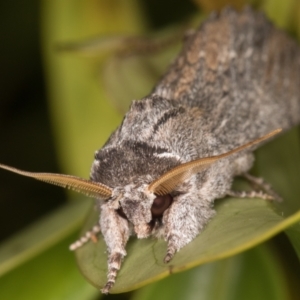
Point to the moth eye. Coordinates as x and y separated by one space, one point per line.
160 204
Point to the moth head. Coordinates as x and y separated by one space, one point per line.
140 207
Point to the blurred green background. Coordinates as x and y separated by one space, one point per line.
55 111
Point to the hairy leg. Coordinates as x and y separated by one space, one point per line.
183 222
89 235
262 184
116 232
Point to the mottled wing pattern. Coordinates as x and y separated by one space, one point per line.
241 71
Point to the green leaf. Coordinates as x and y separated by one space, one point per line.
254 274
239 225
293 234
42 234
284 173
52 275
279 11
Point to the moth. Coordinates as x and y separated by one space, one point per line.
234 85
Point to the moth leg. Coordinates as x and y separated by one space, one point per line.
262 184
250 194
183 222
89 235
115 231
126 45
266 192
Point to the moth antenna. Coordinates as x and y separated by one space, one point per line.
168 181
83 186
